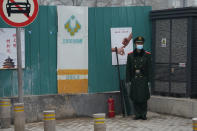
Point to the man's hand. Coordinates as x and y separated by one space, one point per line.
126 41
121 51
128 88
149 86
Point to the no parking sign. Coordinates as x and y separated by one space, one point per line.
18 13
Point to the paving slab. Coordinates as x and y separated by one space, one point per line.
155 122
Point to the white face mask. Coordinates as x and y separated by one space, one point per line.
139 47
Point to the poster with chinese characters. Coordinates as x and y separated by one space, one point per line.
117 37
8 48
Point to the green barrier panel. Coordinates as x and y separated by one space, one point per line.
39 75
102 76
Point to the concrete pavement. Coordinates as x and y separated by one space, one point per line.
155 122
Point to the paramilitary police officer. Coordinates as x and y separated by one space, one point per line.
138 74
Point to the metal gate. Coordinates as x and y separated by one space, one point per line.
170 57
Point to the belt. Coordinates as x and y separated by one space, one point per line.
139 73
139 76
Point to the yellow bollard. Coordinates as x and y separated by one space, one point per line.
49 120
5 113
19 117
194 121
99 122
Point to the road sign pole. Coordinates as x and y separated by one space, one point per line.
19 64
20 19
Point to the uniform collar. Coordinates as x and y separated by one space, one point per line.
139 54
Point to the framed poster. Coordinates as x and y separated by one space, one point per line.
8 48
117 37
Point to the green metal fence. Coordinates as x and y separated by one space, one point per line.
102 76
40 75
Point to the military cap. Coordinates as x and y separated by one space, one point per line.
139 39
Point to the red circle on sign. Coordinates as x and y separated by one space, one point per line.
22 24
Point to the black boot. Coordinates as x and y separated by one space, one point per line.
136 118
144 118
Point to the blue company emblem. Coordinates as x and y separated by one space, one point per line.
69 28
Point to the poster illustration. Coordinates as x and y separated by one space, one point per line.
117 37
8 48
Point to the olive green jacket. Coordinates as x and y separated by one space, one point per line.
138 72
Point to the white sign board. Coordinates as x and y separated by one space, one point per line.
72 61
117 37
72 37
8 48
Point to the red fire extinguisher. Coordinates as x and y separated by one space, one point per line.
111 107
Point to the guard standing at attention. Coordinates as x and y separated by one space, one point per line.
138 75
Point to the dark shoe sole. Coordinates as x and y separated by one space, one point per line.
136 118
143 118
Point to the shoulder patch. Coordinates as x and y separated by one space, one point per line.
147 52
130 52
